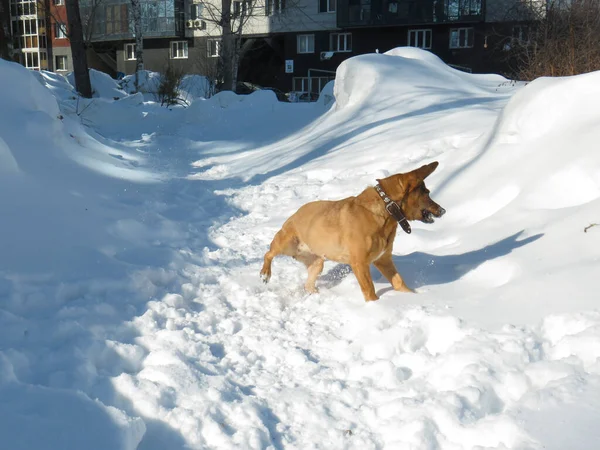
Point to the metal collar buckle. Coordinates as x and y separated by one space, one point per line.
394 210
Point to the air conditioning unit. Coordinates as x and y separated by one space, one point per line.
199 23
326 55
189 24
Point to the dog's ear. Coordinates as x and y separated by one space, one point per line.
424 171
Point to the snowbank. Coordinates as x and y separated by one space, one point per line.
103 86
327 96
541 143
406 83
192 87
148 82
368 79
55 180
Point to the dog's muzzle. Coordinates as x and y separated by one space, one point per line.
427 216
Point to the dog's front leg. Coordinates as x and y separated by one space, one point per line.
386 266
363 275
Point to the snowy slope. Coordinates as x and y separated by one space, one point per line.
130 301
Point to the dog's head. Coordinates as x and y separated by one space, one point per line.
410 192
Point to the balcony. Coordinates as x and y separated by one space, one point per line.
365 13
112 20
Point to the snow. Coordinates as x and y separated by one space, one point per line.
103 86
192 87
131 310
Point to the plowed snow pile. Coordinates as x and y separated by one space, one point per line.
131 310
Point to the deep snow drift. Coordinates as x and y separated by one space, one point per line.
132 314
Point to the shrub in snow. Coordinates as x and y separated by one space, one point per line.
564 42
168 87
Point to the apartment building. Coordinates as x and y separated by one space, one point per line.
292 45
467 34
28 22
184 33
38 33
61 59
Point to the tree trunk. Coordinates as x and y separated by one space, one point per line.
6 49
139 41
80 65
235 62
226 59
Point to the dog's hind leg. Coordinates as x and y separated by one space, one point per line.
285 242
386 266
314 265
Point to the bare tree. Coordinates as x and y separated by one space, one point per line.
89 16
209 68
78 28
6 48
136 9
562 40
78 49
232 18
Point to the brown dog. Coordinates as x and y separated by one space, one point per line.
356 230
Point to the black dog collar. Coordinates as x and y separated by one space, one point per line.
394 209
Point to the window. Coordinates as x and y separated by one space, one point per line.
179 50
116 19
32 60
240 8
326 6
520 34
42 27
340 42
43 60
274 7
29 42
60 31
306 43
461 37
28 31
23 8
129 52
61 63
455 9
59 2
312 84
419 38
214 48
196 11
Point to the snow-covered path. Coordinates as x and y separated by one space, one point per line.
159 334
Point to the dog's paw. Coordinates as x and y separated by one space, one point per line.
265 277
404 288
311 289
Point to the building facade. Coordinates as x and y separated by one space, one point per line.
292 45
60 48
29 33
39 34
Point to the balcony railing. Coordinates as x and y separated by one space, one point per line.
358 13
112 20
